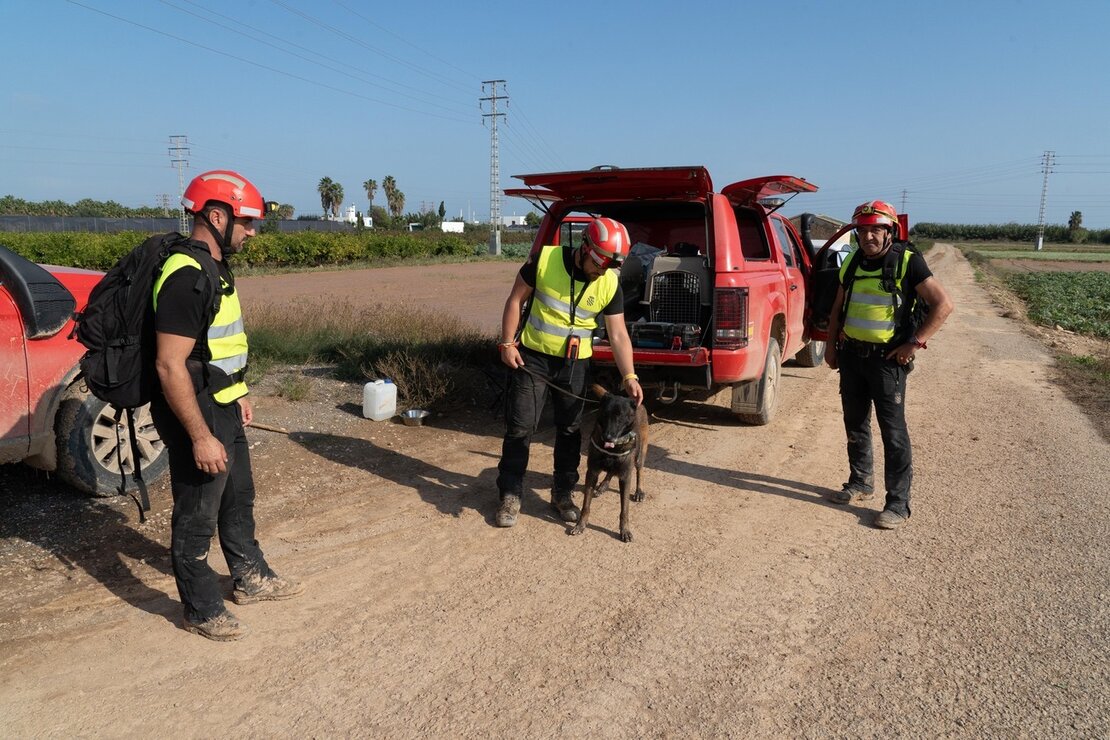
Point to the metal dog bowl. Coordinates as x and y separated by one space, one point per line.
414 417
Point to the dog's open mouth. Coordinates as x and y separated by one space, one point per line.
620 441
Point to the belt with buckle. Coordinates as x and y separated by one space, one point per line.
863 349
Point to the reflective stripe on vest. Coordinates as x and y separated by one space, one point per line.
872 314
226 336
548 324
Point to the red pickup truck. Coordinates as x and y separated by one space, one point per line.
47 418
715 286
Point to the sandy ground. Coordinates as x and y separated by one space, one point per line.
747 605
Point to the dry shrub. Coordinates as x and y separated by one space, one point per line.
429 356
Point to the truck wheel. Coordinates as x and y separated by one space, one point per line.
811 355
767 391
86 432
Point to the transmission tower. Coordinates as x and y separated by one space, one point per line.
162 200
179 150
494 165
1047 160
904 194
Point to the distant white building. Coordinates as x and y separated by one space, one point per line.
352 218
512 220
452 227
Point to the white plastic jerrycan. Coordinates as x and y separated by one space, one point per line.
379 400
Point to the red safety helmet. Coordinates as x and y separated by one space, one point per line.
607 242
876 213
226 187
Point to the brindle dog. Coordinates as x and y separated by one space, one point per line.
618 443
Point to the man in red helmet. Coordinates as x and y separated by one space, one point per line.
565 291
203 407
877 335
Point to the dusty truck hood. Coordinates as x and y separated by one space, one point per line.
613 183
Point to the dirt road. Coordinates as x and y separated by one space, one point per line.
747 605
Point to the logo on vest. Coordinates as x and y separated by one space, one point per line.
591 300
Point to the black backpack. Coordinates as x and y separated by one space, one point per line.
117 330
907 318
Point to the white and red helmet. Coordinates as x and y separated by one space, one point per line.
224 186
876 213
607 242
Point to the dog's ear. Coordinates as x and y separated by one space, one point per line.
599 391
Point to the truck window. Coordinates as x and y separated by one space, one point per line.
570 233
753 240
789 246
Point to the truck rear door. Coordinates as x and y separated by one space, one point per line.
795 262
794 272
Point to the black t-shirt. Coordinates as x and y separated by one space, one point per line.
528 273
183 306
917 271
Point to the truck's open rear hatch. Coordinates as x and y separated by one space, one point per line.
606 183
538 197
746 192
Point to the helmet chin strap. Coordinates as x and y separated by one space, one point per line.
223 240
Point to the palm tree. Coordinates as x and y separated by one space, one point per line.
1076 221
371 187
389 187
326 190
336 199
394 198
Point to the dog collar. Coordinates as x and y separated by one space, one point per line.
627 439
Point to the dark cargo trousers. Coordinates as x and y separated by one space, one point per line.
204 505
866 379
525 400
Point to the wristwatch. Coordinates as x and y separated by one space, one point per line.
917 342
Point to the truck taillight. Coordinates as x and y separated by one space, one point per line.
731 319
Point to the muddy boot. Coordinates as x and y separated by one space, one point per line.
223 627
888 519
563 502
275 588
510 507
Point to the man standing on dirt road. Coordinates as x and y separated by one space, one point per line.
563 290
203 408
874 340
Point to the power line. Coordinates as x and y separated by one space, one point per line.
264 66
359 42
341 69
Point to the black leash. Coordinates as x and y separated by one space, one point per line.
551 384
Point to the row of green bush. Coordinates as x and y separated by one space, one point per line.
99 251
86 207
1007 232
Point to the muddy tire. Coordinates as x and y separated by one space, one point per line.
811 355
768 389
86 435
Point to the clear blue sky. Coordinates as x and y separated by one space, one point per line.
952 102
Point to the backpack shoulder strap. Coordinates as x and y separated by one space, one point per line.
209 282
849 280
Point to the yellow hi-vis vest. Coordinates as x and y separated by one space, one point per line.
227 340
872 313
548 326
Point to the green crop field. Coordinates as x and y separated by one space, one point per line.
1077 301
1005 254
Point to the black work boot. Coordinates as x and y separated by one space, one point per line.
563 502
507 512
